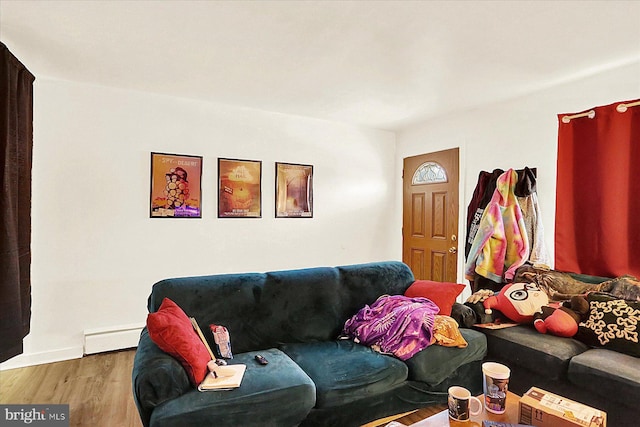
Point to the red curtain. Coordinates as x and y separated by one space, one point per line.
597 229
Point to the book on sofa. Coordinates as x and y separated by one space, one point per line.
223 378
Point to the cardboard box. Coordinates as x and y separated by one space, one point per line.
543 409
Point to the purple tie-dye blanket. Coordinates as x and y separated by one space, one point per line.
396 324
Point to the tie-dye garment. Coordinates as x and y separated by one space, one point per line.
501 244
395 324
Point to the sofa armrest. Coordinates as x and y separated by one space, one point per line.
156 378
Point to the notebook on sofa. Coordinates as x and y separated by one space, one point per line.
223 378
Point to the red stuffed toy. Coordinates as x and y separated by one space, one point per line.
518 301
562 321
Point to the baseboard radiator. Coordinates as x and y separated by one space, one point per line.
100 340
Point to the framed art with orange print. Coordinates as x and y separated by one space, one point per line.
294 190
239 188
176 186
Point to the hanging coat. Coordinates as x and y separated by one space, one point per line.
527 196
482 195
501 244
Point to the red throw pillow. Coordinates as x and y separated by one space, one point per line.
443 294
172 331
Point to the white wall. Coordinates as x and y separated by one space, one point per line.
96 252
514 134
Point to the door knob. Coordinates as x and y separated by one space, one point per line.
453 249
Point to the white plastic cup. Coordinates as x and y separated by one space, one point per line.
461 404
495 385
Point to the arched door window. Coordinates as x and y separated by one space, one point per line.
429 173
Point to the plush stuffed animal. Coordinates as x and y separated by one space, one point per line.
562 321
475 305
518 301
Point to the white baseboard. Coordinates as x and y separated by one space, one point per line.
40 358
95 341
112 338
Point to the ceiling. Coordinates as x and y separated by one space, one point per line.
380 64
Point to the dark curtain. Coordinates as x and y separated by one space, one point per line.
16 142
598 192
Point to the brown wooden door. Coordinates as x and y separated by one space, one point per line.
430 215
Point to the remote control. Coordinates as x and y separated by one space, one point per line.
261 360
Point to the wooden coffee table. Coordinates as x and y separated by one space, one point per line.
442 418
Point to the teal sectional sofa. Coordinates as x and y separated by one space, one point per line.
602 378
597 376
313 378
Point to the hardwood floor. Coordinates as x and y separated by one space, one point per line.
97 388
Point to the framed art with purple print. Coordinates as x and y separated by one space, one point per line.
176 186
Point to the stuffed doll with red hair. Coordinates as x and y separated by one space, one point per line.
518 301
564 320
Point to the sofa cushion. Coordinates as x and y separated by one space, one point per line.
435 363
299 306
607 373
441 293
172 331
344 371
364 283
276 394
523 346
217 299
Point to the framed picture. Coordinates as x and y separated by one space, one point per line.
176 186
239 188
294 190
